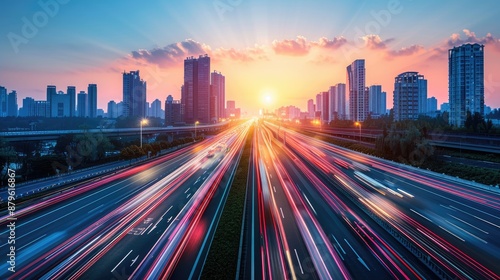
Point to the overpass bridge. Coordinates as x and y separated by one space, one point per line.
47 135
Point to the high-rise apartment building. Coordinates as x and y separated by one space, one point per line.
377 103
319 105
72 100
218 87
4 103
432 104
195 93
82 107
409 87
134 95
465 82
325 104
92 100
112 110
340 93
310 109
358 95
173 111
156 111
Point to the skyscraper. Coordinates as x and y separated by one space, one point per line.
358 95
195 93
219 90
51 90
12 104
465 82
310 108
156 108
3 102
173 111
432 104
341 101
319 105
408 89
332 99
134 95
82 108
59 105
92 100
325 104
28 109
72 100
112 110
377 102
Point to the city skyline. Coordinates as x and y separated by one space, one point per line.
276 55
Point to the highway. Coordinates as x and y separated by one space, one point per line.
313 211
69 233
452 226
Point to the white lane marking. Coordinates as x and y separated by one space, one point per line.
486 221
310 204
32 242
159 220
187 190
449 233
338 244
482 240
169 219
404 192
337 249
121 261
166 212
468 224
274 188
146 229
281 209
298 260
134 260
271 175
359 258
420 215
197 180
94 209
188 195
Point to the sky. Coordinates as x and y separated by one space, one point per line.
272 54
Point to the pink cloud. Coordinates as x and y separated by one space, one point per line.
170 55
374 42
406 51
297 47
246 55
326 43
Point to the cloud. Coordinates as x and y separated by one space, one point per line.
172 54
406 51
246 55
441 51
456 40
374 42
325 43
297 47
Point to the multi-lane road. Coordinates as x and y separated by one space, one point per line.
312 211
109 227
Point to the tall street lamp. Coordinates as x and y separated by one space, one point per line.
143 121
195 124
359 124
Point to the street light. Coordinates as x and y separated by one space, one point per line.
359 124
143 121
195 124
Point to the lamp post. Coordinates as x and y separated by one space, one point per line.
195 125
359 124
143 121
